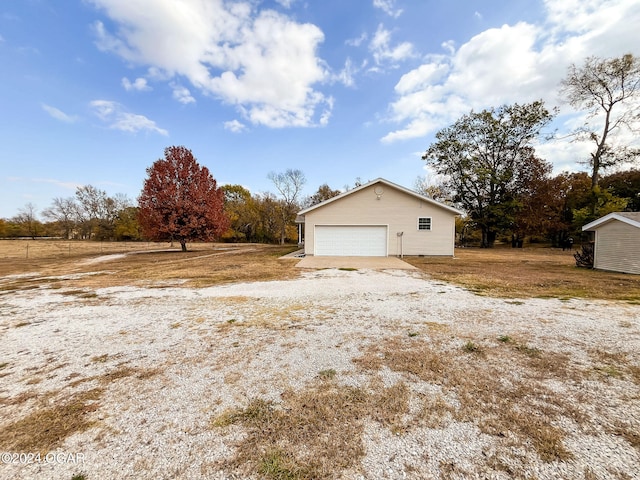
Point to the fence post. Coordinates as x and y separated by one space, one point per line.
27 250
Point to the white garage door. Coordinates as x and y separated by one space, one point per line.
357 241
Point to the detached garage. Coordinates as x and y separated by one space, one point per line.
617 242
378 219
351 240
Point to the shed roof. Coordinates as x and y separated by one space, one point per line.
431 201
630 218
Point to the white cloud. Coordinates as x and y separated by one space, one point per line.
449 46
104 109
235 126
117 118
389 7
68 185
385 53
356 42
286 3
139 84
58 114
514 63
60 183
182 94
263 62
347 75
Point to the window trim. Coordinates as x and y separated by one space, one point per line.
428 224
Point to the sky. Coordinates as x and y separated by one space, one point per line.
93 91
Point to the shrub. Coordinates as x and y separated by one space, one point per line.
584 257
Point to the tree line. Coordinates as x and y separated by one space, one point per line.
486 160
490 169
180 202
89 215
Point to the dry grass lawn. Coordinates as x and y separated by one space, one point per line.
499 272
529 272
148 264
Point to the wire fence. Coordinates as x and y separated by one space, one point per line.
47 248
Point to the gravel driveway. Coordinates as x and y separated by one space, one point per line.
156 369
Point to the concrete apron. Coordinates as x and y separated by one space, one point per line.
372 263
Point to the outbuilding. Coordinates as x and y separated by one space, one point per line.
378 218
617 242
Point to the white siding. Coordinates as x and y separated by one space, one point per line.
396 209
618 247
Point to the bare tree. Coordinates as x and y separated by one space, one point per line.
91 207
27 217
64 212
289 184
609 90
436 190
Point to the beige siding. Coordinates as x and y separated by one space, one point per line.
618 247
395 209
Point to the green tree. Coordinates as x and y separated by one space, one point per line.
126 225
625 184
484 158
561 196
240 208
324 192
602 204
608 90
270 219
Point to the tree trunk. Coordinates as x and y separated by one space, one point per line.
183 245
283 230
488 238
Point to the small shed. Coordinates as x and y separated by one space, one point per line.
617 242
379 218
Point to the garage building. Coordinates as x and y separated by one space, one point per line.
379 218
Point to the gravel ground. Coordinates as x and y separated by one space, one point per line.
196 353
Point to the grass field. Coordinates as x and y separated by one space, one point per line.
501 272
132 263
529 272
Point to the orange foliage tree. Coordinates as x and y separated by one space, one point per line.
181 201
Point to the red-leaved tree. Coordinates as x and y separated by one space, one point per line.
181 201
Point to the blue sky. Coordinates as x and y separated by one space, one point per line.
94 90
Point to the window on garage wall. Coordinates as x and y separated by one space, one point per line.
424 223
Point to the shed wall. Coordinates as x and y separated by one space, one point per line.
617 247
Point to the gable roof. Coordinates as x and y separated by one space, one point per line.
630 218
389 184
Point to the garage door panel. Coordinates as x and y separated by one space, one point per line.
343 240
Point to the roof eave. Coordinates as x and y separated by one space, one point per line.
390 184
609 218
